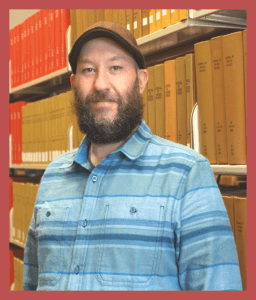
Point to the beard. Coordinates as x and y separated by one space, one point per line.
109 131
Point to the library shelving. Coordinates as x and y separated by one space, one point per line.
165 44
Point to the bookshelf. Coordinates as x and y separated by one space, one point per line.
168 43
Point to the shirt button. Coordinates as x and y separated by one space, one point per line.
94 178
133 210
77 269
48 214
84 223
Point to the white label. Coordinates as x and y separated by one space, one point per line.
23 236
40 157
46 156
145 22
135 25
172 10
128 26
164 12
158 16
151 19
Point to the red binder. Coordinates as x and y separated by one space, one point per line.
65 23
57 26
46 42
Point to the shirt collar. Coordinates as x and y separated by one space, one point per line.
133 148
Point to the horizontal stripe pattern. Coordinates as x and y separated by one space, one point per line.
148 217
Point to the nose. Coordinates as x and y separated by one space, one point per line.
101 82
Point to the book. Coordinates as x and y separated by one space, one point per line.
205 99
100 15
57 33
145 103
65 23
160 100
36 48
166 18
181 95
137 24
191 91
152 20
46 41
240 208
28 20
151 100
171 119
158 19
109 15
74 22
116 16
229 204
122 17
129 20
41 33
91 17
175 18
183 14
233 66
245 69
145 22
79 22
33 49
219 100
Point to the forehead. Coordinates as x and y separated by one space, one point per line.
106 47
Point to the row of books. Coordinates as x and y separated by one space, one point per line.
236 205
218 86
38 45
18 274
24 196
140 22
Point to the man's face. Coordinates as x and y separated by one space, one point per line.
107 92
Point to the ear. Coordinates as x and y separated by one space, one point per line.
143 79
72 79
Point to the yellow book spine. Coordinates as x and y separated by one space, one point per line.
166 18
145 102
181 100
152 20
171 120
245 69
175 18
79 22
229 204
92 19
151 100
122 17
116 16
73 26
205 99
233 65
158 19
183 14
100 15
219 100
137 25
24 133
85 19
240 205
145 22
190 88
109 15
129 20
160 101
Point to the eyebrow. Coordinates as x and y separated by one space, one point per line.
115 57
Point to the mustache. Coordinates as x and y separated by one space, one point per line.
101 96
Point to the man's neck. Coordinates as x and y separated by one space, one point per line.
99 151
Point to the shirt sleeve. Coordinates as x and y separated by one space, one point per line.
205 250
30 267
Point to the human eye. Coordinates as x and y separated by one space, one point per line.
116 68
88 70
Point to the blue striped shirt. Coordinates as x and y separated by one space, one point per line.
150 216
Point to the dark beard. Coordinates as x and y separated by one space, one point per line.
129 116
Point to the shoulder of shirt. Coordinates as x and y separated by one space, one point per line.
173 147
64 161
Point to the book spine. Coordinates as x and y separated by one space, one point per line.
91 17
29 48
219 100
41 43
205 99
37 45
245 69
174 16
166 18
79 22
122 17
145 103
181 100
57 27
145 22
158 19
46 41
100 13
24 52
33 69
116 16
85 19
73 25
152 20
160 101
65 23
171 120
151 100
109 15
232 45
52 41
129 20
11 57
137 25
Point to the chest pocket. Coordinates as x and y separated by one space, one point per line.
130 243
50 226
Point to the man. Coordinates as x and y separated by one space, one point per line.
127 210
